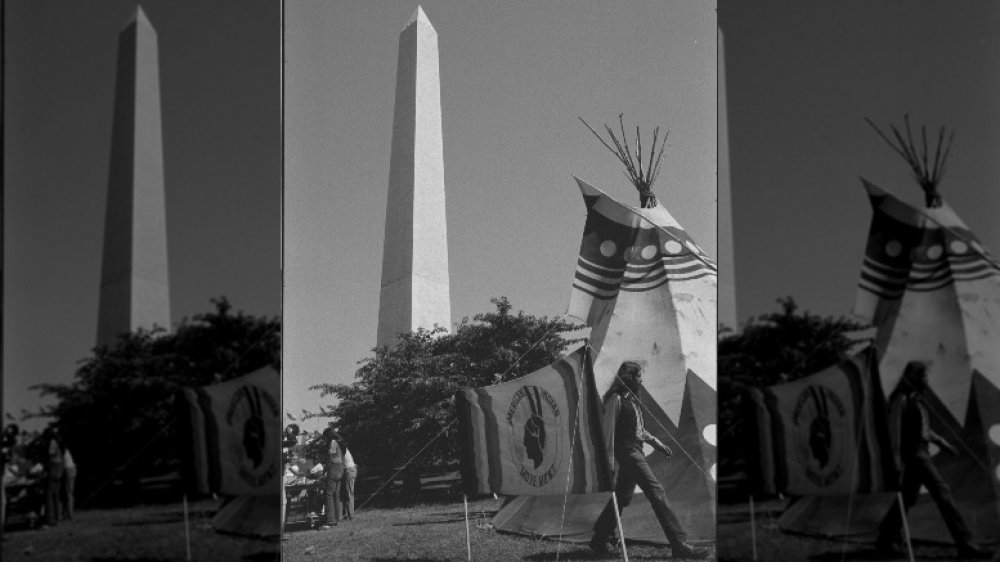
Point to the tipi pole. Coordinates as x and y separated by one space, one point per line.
621 533
187 529
906 526
753 528
468 536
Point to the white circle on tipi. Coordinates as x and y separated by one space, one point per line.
934 252
672 247
994 434
648 252
709 434
893 248
958 247
998 472
711 472
608 248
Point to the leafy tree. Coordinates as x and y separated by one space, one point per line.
118 417
403 395
771 349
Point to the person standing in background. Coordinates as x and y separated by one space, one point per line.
68 484
334 474
53 475
347 493
288 440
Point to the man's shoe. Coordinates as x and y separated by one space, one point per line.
972 552
602 546
684 550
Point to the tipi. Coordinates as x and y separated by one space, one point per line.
932 291
648 292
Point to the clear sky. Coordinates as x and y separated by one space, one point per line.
801 76
514 78
220 77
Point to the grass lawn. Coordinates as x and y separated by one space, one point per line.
434 532
735 542
150 533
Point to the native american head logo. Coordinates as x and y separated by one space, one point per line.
532 417
818 415
534 439
254 453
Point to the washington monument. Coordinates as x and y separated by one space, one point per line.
135 292
415 291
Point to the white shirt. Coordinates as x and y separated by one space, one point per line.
348 459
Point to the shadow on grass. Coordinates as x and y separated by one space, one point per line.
158 519
435 522
128 559
394 559
575 554
872 554
446 517
263 557
744 516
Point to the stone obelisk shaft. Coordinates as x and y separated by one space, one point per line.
134 281
727 259
415 291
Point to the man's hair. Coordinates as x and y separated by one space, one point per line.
914 369
629 369
908 381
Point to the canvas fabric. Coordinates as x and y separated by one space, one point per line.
648 292
235 448
537 435
826 434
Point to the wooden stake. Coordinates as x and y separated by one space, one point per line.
753 528
621 533
906 525
187 529
468 536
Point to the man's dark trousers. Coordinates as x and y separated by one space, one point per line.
919 470
633 469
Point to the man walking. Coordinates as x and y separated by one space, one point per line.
629 435
334 474
68 492
53 475
911 428
347 493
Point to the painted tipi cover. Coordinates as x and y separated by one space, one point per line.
933 293
648 292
